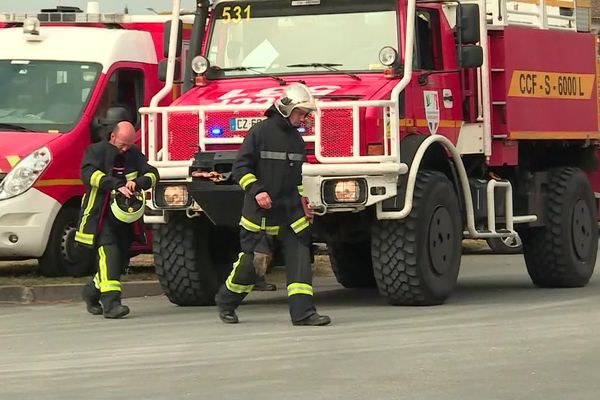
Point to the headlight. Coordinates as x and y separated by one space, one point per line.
25 173
388 56
199 64
345 191
171 196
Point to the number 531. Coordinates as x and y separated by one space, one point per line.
235 14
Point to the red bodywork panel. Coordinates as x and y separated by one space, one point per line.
548 86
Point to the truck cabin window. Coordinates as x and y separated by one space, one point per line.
275 38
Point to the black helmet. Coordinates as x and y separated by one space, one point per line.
127 209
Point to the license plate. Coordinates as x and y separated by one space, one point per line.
243 124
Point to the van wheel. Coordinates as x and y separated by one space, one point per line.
192 258
507 245
416 260
563 252
58 258
351 264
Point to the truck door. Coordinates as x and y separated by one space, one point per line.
123 94
436 97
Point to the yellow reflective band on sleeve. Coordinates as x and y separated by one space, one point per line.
86 212
299 288
152 177
234 287
132 175
86 238
300 225
301 190
252 227
96 177
247 180
110 286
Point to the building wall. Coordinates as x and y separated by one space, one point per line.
596 13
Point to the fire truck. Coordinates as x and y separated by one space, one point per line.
437 121
66 76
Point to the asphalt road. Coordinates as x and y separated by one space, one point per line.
497 338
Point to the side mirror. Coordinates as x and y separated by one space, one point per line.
167 35
162 70
470 56
467 24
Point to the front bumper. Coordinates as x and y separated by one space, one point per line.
376 175
28 217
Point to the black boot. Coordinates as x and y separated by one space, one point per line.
111 303
263 286
314 320
91 296
228 316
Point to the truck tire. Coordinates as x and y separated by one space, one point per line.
192 259
506 245
563 252
58 259
416 260
351 264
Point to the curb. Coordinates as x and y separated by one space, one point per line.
70 292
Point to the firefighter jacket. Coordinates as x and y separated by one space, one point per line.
270 160
97 176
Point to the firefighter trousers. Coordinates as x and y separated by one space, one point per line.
111 260
296 253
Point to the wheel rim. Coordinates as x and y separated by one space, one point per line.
512 242
67 241
441 239
581 228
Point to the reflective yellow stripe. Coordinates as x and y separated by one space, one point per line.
299 288
301 190
96 177
102 268
234 287
132 175
86 238
86 212
252 227
13 160
152 177
247 179
300 225
110 286
96 281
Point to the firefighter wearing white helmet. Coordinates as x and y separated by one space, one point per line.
115 174
269 170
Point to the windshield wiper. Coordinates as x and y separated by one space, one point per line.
281 81
328 66
14 127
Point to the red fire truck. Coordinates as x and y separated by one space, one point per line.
437 121
65 77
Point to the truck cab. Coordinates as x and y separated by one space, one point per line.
66 77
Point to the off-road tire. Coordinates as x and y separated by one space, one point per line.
57 259
351 264
416 260
563 252
192 259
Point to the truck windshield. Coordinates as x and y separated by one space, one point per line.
281 37
44 96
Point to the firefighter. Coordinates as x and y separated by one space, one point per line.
115 174
269 169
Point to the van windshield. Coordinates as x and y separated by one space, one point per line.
275 38
44 96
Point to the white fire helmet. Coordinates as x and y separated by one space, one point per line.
294 96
